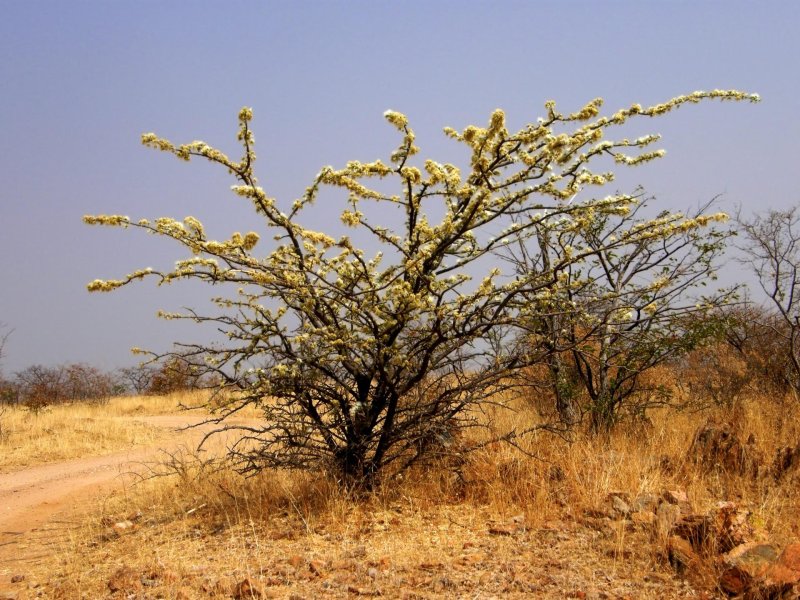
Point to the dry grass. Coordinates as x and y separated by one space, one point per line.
504 523
69 431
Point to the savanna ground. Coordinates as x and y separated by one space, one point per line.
501 522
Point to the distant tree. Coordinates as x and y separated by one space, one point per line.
359 360
38 386
758 334
175 374
137 379
745 355
771 249
629 307
84 383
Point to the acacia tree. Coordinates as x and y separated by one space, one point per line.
631 306
772 251
137 379
362 361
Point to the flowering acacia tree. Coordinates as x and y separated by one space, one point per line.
361 362
627 308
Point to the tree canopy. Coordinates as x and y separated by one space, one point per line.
364 361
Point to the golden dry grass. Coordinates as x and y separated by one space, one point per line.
505 522
69 431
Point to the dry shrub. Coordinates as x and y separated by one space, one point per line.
717 446
715 375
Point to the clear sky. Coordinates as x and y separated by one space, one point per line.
80 81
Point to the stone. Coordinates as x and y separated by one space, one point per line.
17 578
124 580
786 570
645 503
697 530
502 530
732 526
134 517
790 557
246 590
687 562
123 526
316 567
717 447
619 506
744 565
643 520
681 553
296 561
518 520
666 517
678 498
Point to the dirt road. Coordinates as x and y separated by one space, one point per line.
38 505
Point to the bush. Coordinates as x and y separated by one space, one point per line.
38 387
336 343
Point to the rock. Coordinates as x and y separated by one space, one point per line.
716 447
643 520
717 532
681 554
620 506
598 513
502 530
786 570
742 567
124 580
790 557
732 526
134 517
246 590
688 563
296 561
678 498
123 526
316 567
619 494
697 530
17 578
666 517
645 503
616 505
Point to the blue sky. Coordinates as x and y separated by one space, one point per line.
82 80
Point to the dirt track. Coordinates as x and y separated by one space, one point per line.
38 504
